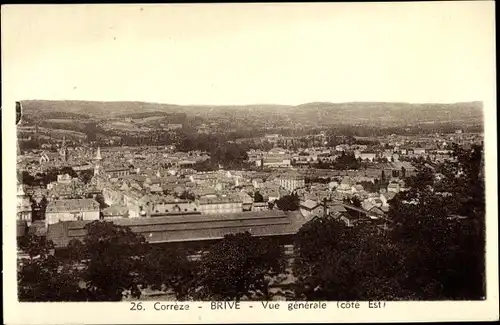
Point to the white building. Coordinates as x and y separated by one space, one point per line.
71 210
220 204
292 182
23 211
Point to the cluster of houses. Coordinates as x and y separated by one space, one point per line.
156 185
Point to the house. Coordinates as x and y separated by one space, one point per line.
160 205
419 151
348 220
23 208
346 185
114 195
333 208
247 201
386 197
310 208
115 211
260 206
357 188
64 178
292 181
73 188
376 211
367 155
274 162
70 210
393 187
257 183
115 172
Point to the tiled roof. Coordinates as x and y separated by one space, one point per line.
72 205
220 200
389 195
309 204
190 227
336 208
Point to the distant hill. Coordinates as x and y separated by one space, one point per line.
320 113
94 109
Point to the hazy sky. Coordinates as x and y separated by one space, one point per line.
250 53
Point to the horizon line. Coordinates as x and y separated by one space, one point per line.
251 104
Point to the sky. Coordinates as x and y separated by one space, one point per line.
249 53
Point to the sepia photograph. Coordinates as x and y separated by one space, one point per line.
268 153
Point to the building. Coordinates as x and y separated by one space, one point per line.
115 172
274 162
260 206
193 232
220 204
64 179
310 209
365 155
419 151
247 201
63 152
70 210
74 188
393 187
23 207
115 212
345 187
158 206
292 182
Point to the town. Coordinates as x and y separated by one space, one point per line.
187 200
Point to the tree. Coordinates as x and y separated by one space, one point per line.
114 261
100 199
170 269
86 176
323 164
334 262
42 277
206 165
186 195
240 266
257 197
288 202
27 178
43 205
68 170
355 201
35 246
449 251
76 251
346 161
45 279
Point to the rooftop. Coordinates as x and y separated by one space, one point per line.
309 204
72 205
184 228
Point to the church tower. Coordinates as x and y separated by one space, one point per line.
63 153
98 154
98 158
